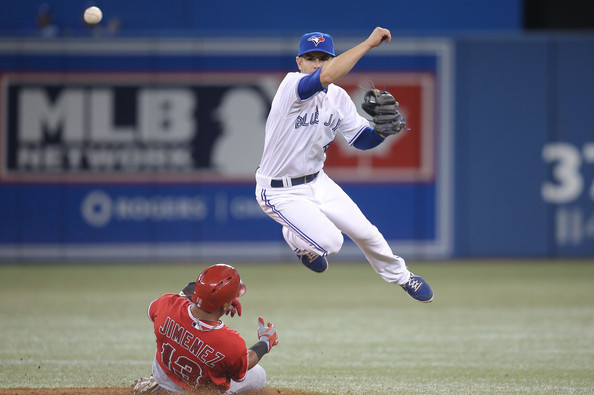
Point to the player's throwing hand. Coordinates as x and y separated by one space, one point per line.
378 36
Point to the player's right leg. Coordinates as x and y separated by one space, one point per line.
312 260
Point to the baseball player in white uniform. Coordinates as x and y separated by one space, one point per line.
307 112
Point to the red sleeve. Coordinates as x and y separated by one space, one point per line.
243 367
154 306
151 310
239 366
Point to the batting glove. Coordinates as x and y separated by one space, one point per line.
267 333
235 308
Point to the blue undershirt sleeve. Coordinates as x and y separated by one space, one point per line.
310 85
368 139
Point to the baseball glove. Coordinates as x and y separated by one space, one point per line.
384 110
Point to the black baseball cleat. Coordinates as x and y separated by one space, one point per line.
314 262
418 289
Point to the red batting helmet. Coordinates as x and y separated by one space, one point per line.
215 286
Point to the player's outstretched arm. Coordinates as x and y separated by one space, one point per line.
267 338
344 63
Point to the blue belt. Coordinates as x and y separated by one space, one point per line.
295 181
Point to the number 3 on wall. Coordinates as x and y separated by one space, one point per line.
568 182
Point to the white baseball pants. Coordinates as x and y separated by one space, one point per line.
317 214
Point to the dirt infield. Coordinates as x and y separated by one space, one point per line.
115 391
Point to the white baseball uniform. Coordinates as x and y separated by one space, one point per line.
315 214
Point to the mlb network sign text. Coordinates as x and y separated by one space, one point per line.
90 125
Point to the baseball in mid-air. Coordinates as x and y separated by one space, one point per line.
93 15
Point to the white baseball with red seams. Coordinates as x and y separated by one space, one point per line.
93 15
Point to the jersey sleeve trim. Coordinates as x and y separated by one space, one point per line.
367 139
356 137
309 85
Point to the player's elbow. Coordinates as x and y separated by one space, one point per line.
327 76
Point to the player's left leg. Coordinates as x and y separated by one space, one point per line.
347 216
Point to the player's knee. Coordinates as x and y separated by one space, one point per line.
257 379
366 235
334 243
254 381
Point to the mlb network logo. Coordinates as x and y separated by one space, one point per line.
114 126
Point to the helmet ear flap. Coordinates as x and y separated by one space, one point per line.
242 288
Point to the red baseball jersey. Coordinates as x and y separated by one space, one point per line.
196 353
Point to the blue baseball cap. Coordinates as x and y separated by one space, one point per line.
316 41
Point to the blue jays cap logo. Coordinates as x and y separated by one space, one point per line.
316 39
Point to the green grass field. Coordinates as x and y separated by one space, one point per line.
495 327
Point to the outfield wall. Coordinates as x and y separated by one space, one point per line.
145 148
525 146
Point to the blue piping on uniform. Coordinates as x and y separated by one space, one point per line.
290 225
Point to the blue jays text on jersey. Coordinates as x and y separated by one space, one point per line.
302 120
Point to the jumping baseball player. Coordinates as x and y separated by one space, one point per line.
307 112
195 349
